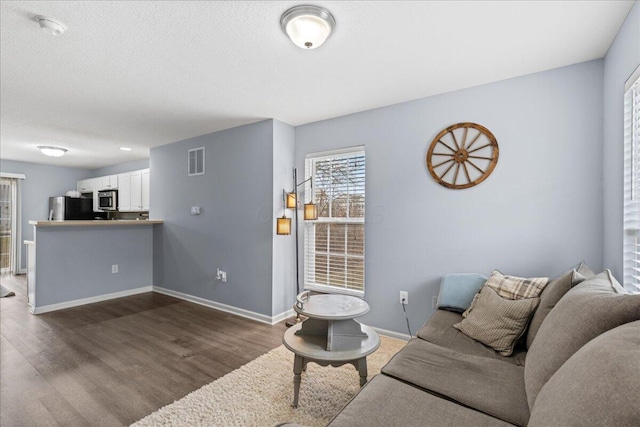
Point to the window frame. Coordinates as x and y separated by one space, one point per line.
631 189
310 226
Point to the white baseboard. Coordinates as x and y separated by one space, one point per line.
22 271
284 315
263 318
392 334
90 300
270 320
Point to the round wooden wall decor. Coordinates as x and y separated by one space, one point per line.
462 155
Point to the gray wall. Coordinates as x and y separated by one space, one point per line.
41 183
284 255
75 262
621 60
121 168
538 213
234 230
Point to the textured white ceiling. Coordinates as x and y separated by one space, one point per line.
142 74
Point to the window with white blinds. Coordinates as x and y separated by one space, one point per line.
334 243
631 251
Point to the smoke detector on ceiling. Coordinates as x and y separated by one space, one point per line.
48 24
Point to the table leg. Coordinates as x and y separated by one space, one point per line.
362 370
297 370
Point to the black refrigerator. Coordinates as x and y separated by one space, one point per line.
68 208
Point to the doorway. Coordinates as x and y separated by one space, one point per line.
9 256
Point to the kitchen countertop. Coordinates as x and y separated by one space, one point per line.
95 223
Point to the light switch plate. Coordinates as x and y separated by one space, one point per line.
195 210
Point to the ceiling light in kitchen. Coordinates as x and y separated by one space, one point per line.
51 151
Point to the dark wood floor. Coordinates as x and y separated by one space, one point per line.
114 362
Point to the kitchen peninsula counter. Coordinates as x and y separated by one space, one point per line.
72 263
95 223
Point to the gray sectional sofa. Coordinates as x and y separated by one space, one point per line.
581 367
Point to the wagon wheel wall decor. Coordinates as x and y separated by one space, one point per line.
462 155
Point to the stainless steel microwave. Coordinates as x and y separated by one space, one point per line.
108 200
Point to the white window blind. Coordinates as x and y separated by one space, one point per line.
334 243
631 251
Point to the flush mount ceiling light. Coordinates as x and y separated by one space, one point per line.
125 148
51 151
307 26
56 27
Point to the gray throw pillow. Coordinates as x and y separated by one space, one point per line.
549 298
497 322
583 269
586 311
597 386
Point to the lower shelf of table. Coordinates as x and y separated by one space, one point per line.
314 347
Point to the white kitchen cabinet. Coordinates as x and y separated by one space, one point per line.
85 186
136 191
145 189
124 192
108 182
133 190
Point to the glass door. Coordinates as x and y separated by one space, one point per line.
7 229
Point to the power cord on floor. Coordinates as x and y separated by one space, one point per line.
406 317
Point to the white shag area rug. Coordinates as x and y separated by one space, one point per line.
260 393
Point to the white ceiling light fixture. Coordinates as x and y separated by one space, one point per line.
51 151
125 148
48 24
307 26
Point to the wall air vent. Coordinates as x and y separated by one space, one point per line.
196 161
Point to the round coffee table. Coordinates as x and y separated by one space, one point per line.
330 336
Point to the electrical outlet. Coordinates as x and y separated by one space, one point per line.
434 301
404 297
221 275
114 268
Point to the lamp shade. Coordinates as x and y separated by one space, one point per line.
307 26
283 226
291 200
310 211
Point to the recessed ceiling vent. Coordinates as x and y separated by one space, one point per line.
196 161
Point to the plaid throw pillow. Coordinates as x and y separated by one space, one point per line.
512 287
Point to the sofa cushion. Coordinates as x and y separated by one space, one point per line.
583 269
599 385
498 322
484 384
549 297
457 290
586 311
512 287
439 330
384 401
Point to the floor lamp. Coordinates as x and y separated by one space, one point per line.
283 225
